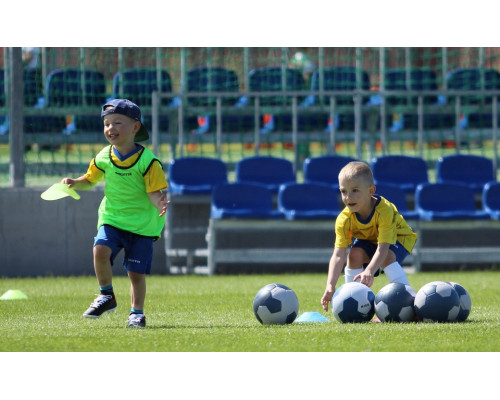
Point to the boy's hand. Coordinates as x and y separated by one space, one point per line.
68 181
327 298
162 205
365 277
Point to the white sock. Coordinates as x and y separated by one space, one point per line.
351 273
396 273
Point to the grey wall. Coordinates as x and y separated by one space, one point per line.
41 238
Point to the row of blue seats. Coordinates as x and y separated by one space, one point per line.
64 86
64 89
460 179
200 174
433 201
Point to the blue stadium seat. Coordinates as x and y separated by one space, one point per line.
397 196
195 175
33 88
242 200
269 79
325 169
419 79
308 201
473 79
33 94
491 199
446 201
404 171
215 79
473 171
64 90
338 78
265 170
138 84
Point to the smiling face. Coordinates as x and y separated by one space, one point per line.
120 130
357 188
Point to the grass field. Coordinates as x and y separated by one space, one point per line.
214 314
202 340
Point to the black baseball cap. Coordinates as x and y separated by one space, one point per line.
129 109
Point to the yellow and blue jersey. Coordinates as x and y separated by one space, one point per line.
384 225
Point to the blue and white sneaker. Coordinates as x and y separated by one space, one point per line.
136 321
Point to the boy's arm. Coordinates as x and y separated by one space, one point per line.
87 181
335 266
366 277
80 183
158 199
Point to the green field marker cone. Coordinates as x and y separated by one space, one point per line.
312 317
13 295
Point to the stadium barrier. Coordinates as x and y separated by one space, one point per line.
186 227
457 243
53 238
236 243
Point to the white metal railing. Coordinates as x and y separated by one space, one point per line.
357 108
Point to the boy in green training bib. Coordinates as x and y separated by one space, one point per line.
132 212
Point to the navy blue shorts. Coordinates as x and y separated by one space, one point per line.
138 249
398 249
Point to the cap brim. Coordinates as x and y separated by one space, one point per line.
142 135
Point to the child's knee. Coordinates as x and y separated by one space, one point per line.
357 257
102 253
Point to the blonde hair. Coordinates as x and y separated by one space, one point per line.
356 170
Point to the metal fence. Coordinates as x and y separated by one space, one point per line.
361 102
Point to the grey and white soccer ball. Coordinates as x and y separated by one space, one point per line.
395 302
276 304
353 302
437 302
465 301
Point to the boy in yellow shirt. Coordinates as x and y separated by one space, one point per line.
378 235
132 212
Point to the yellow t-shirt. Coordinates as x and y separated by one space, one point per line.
385 225
154 178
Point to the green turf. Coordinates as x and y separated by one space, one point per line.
204 314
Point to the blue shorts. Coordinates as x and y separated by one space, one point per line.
398 249
138 249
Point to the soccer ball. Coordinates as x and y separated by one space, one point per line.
465 301
276 304
437 302
353 302
394 303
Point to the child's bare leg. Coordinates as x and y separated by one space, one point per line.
137 289
102 265
357 257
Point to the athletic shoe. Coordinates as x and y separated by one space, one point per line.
102 304
136 321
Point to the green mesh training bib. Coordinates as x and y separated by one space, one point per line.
126 204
